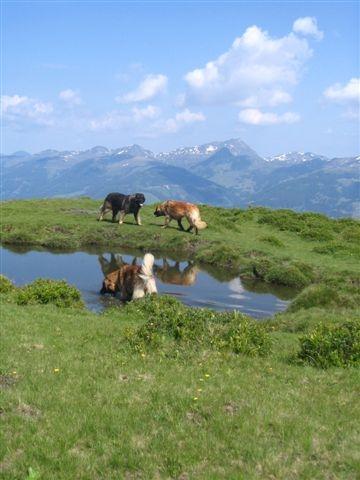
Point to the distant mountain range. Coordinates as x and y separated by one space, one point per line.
225 173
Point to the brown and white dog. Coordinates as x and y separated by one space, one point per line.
132 281
172 209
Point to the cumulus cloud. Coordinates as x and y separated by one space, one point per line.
172 125
149 88
20 109
70 97
258 70
272 99
308 26
344 93
254 116
124 119
110 121
347 95
150 111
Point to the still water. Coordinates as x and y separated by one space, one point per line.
194 284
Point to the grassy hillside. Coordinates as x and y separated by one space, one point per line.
159 390
236 238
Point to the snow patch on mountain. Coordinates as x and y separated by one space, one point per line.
295 157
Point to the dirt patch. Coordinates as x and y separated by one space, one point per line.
194 417
231 408
57 229
6 381
28 411
81 211
10 459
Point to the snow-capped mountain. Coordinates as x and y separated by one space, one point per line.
225 173
190 156
295 157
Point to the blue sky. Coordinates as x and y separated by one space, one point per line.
282 76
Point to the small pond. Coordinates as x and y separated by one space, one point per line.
194 284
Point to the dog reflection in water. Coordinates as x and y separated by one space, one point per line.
176 276
115 263
131 281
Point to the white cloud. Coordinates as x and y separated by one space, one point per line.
347 95
9 102
258 70
254 116
70 97
147 112
149 88
308 26
124 119
272 99
18 109
339 93
172 125
110 121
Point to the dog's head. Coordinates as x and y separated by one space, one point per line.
160 210
139 199
109 284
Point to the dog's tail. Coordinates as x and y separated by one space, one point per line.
200 224
147 265
147 274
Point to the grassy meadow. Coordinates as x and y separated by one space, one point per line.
157 390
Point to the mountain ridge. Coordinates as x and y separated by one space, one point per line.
228 173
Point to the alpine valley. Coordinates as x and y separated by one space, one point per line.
225 173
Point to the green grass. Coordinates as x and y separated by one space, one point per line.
157 390
79 402
235 238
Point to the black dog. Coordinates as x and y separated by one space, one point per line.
118 202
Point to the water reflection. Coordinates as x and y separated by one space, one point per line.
175 274
195 284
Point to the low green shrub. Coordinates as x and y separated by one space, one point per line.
44 291
287 275
271 240
352 232
261 267
323 295
329 248
318 233
307 270
332 345
283 220
6 285
59 243
171 325
245 337
221 255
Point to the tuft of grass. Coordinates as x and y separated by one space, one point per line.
296 275
325 296
272 240
43 291
6 285
332 345
288 275
171 325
